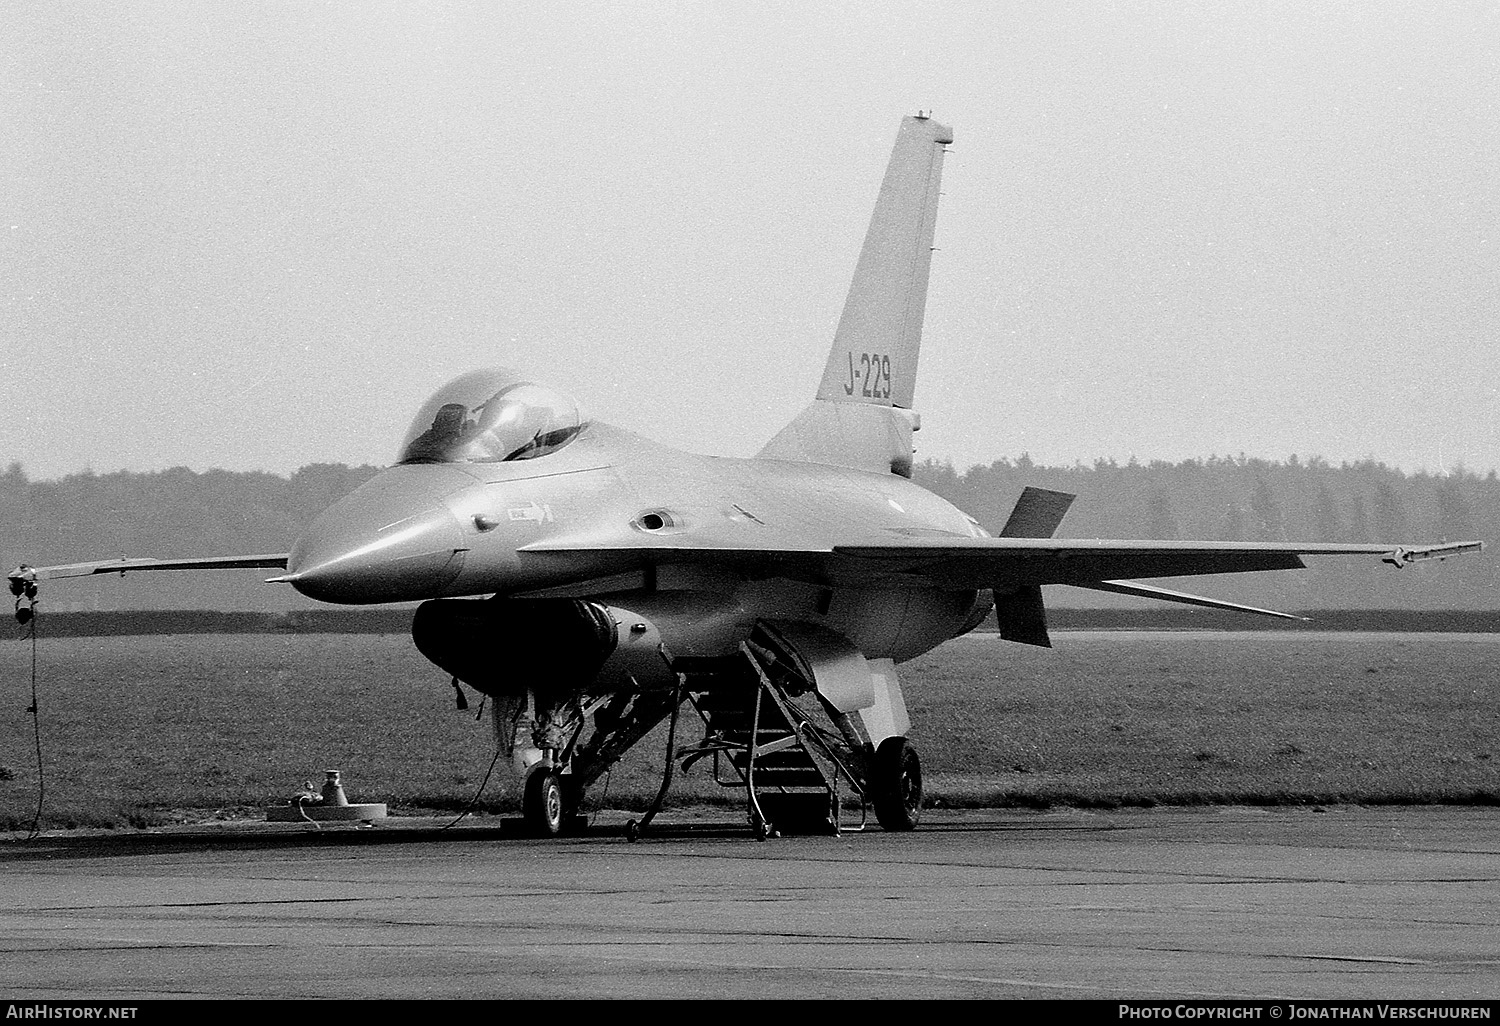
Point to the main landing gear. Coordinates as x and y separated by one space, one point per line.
767 731
896 784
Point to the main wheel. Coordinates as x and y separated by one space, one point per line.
542 805
896 784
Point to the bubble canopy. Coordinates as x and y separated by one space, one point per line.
490 416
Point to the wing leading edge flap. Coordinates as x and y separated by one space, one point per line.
1006 563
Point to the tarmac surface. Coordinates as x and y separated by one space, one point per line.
1191 904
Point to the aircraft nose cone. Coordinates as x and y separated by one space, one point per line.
390 540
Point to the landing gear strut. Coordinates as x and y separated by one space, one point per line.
766 728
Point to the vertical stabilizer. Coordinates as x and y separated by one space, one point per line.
874 357
861 416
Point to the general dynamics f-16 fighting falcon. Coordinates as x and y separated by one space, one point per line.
595 583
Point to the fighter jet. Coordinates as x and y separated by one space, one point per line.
594 583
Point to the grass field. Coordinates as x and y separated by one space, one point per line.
152 729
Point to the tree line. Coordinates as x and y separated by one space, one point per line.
179 513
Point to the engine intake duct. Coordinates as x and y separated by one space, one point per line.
503 646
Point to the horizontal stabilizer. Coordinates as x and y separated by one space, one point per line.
1162 594
1038 513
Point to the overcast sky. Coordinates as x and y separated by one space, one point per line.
257 236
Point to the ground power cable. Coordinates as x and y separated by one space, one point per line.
474 802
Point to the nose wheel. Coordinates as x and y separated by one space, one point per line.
542 803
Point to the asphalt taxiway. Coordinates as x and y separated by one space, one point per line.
1380 903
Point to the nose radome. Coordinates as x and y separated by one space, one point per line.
390 540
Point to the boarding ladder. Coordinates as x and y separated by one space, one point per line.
766 730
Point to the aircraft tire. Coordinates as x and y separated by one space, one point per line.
896 784
542 804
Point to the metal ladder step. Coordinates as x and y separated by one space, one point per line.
760 736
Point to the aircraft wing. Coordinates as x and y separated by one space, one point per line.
1016 562
23 574
949 562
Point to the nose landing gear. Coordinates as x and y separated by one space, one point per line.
542 804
